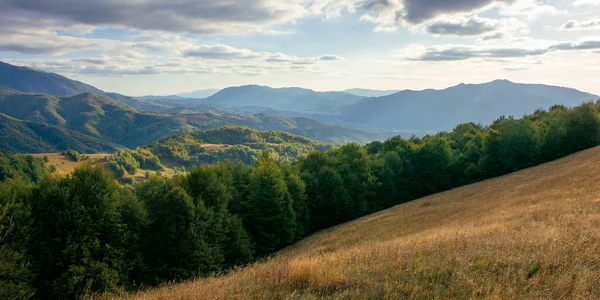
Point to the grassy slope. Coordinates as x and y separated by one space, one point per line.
65 166
532 234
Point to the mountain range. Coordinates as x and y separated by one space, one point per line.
441 110
284 99
370 93
405 112
31 97
198 93
92 123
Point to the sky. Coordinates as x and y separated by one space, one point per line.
152 47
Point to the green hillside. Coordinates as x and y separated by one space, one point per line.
231 143
32 137
110 122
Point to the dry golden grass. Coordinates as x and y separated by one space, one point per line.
533 234
210 148
65 166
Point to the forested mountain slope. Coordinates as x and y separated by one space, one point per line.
537 230
231 143
115 123
33 137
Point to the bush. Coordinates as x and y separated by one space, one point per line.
72 155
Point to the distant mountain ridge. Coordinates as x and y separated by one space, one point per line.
370 93
285 99
441 110
30 80
199 93
406 112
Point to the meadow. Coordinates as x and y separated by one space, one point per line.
531 234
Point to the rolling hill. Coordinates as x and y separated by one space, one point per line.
441 110
530 234
231 143
102 124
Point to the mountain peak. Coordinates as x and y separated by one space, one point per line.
501 81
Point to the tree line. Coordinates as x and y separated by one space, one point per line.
83 233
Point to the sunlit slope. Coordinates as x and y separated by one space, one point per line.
532 234
64 165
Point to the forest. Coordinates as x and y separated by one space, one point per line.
63 237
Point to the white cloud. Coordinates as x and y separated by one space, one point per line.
188 59
577 3
529 9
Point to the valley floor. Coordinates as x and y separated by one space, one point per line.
532 234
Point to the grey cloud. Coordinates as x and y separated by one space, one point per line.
573 25
220 52
585 45
389 13
464 53
495 36
330 57
54 45
418 11
195 16
457 53
469 27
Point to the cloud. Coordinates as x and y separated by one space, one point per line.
209 59
494 36
581 45
575 25
528 9
418 11
220 52
473 26
577 3
442 17
330 57
454 53
55 45
182 16
463 27
50 43
465 52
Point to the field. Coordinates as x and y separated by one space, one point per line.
65 166
533 234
